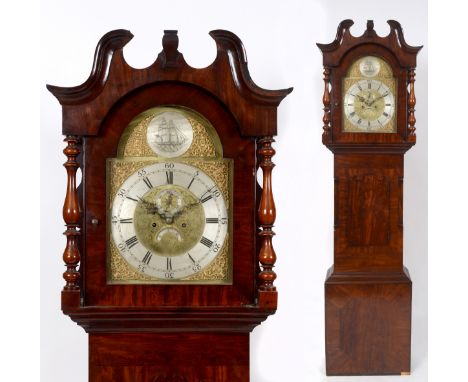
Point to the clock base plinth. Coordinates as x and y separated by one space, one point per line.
169 357
368 323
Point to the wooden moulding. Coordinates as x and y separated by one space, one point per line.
85 106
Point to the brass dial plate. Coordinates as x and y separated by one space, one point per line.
169 202
369 96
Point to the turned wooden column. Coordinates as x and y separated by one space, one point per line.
267 216
411 105
326 103
71 216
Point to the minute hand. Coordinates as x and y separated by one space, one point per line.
184 209
373 101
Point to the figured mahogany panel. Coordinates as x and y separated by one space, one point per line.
368 212
184 357
368 327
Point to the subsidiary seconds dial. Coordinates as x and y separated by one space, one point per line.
169 220
369 105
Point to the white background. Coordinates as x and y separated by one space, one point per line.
280 42
20 280
279 38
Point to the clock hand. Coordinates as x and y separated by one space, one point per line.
187 207
151 207
362 99
376 99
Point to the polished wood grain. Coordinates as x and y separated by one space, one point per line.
368 290
169 333
187 357
368 215
368 327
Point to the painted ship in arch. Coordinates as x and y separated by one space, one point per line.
168 136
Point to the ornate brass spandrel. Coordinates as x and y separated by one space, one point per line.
219 271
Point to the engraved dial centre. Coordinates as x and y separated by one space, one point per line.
169 220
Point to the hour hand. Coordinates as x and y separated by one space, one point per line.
150 207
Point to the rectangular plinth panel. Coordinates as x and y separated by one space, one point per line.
367 327
169 357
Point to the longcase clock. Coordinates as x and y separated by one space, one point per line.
169 256
369 124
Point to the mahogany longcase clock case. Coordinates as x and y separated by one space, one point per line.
369 124
169 256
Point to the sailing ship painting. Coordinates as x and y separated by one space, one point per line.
168 137
170 134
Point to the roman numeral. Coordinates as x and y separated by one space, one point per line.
212 220
369 85
191 258
147 257
131 242
169 177
359 121
368 123
148 183
206 242
388 104
168 263
359 86
128 220
385 114
206 198
128 197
